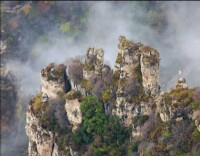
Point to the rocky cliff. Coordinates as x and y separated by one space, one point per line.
137 66
131 91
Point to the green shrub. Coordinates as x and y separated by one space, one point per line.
89 67
99 152
147 49
107 95
115 78
115 134
37 104
67 152
196 153
105 133
138 74
134 146
126 44
59 70
195 105
166 133
196 135
119 58
48 122
167 98
182 96
86 84
73 95
66 27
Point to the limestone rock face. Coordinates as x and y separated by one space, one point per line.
78 87
164 110
135 61
135 55
196 118
149 62
95 56
181 83
51 88
93 62
126 63
127 111
74 113
127 59
41 141
54 80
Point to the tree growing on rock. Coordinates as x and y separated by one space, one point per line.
75 72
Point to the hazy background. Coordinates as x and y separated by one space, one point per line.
177 38
178 43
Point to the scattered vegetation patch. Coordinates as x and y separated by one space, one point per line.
153 60
123 83
125 44
54 117
89 67
86 84
196 135
147 49
54 72
73 95
119 58
181 97
59 70
134 146
176 138
196 97
195 105
66 27
107 95
75 71
104 134
167 98
115 78
37 104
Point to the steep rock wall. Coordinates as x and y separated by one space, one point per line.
74 113
134 61
41 141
